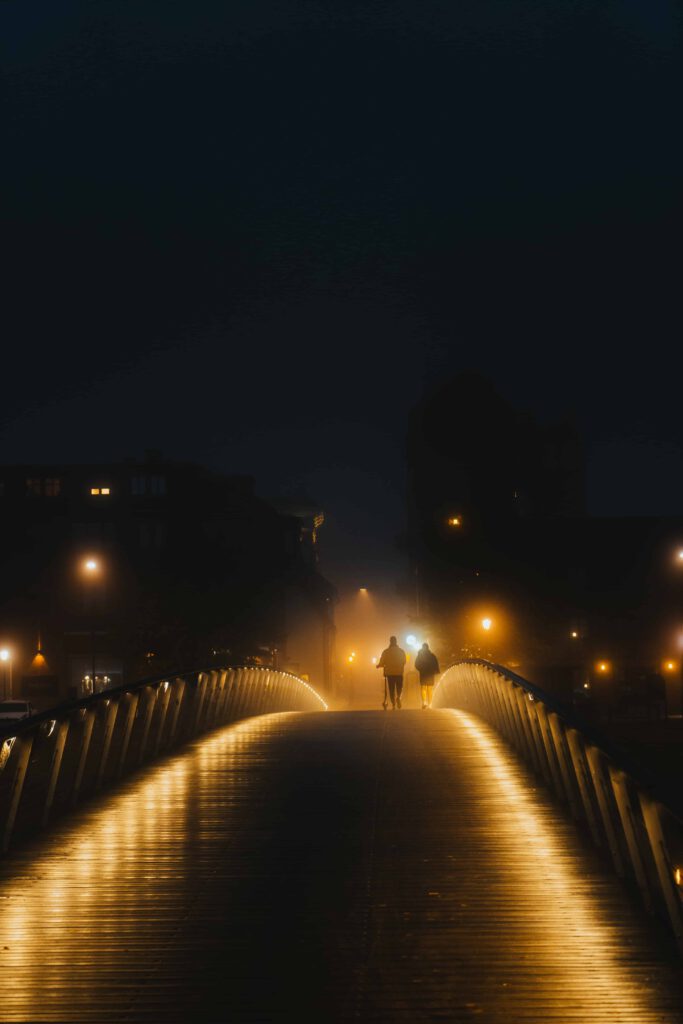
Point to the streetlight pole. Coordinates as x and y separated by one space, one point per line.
91 569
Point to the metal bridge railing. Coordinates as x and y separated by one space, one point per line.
628 815
51 762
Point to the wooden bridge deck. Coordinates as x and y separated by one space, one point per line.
355 866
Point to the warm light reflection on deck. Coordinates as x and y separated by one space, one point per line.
129 860
576 953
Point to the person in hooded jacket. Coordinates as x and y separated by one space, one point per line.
428 667
393 660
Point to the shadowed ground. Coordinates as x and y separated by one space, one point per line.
352 866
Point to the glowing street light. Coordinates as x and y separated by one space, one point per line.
6 659
91 570
486 623
574 635
454 522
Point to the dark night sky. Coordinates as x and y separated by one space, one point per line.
251 233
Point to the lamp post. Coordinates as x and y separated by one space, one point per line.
91 571
6 659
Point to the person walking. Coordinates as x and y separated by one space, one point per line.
393 661
428 667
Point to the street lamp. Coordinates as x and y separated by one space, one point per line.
91 570
486 624
6 659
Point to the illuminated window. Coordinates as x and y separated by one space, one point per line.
53 486
100 491
454 521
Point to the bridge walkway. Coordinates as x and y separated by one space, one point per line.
360 866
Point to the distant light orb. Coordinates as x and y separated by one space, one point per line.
411 640
486 623
91 565
362 590
574 634
680 555
4 654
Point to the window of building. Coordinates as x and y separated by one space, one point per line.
100 492
52 486
157 485
152 535
34 486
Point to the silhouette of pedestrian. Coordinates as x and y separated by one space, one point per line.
428 667
393 661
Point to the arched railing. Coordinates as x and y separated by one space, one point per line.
51 762
629 815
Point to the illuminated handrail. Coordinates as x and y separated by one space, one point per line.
627 813
52 761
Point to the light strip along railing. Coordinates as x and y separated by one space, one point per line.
53 761
627 814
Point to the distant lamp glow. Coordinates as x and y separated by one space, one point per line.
91 565
574 635
670 665
4 654
679 555
362 590
486 624
410 639
374 661
454 521
603 667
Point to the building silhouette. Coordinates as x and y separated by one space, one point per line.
497 520
187 568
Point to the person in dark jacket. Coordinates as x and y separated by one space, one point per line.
393 660
428 667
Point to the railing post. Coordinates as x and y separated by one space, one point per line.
178 688
564 761
624 806
61 733
549 746
22 747
525 720
88 724
602 792
200 697
151 693
583 779
112 712
128 728
162 704
672 897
